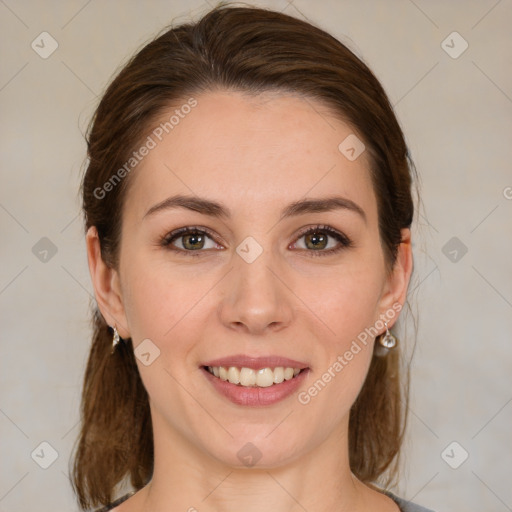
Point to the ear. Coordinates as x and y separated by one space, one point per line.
106 284
395 290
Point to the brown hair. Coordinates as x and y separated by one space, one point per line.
252 50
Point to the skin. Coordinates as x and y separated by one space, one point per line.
254 154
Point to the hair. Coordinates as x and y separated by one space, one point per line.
251 50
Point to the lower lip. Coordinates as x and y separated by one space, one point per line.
255 396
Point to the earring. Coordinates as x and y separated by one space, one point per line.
115 340
386 342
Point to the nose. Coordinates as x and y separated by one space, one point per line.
256 298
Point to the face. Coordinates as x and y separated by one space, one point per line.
258 274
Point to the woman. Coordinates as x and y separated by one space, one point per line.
248 208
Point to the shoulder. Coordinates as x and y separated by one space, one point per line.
406 506
111 506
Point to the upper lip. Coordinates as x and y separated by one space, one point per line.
242 360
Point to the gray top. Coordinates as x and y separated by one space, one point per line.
404 505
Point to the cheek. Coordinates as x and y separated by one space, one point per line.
347 348
165 309
156 301
347 301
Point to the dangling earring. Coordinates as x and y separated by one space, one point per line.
115 340
386 342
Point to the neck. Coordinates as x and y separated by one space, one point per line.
187 479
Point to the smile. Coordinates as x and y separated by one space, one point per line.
255 387
248 377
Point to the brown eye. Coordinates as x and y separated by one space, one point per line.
194 241
316 240
189 240
323 241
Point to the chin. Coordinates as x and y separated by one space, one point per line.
257 451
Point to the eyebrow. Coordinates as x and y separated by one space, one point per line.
217 210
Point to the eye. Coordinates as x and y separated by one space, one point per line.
189 240
316 241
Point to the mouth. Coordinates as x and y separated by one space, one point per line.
254 371
255 381
254 378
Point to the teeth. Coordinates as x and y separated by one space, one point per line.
264 378
234 375
288 373
248 377
278 375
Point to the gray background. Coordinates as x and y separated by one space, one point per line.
457 116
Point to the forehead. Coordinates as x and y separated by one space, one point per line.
252 151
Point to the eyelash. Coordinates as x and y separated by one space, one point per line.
344 241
